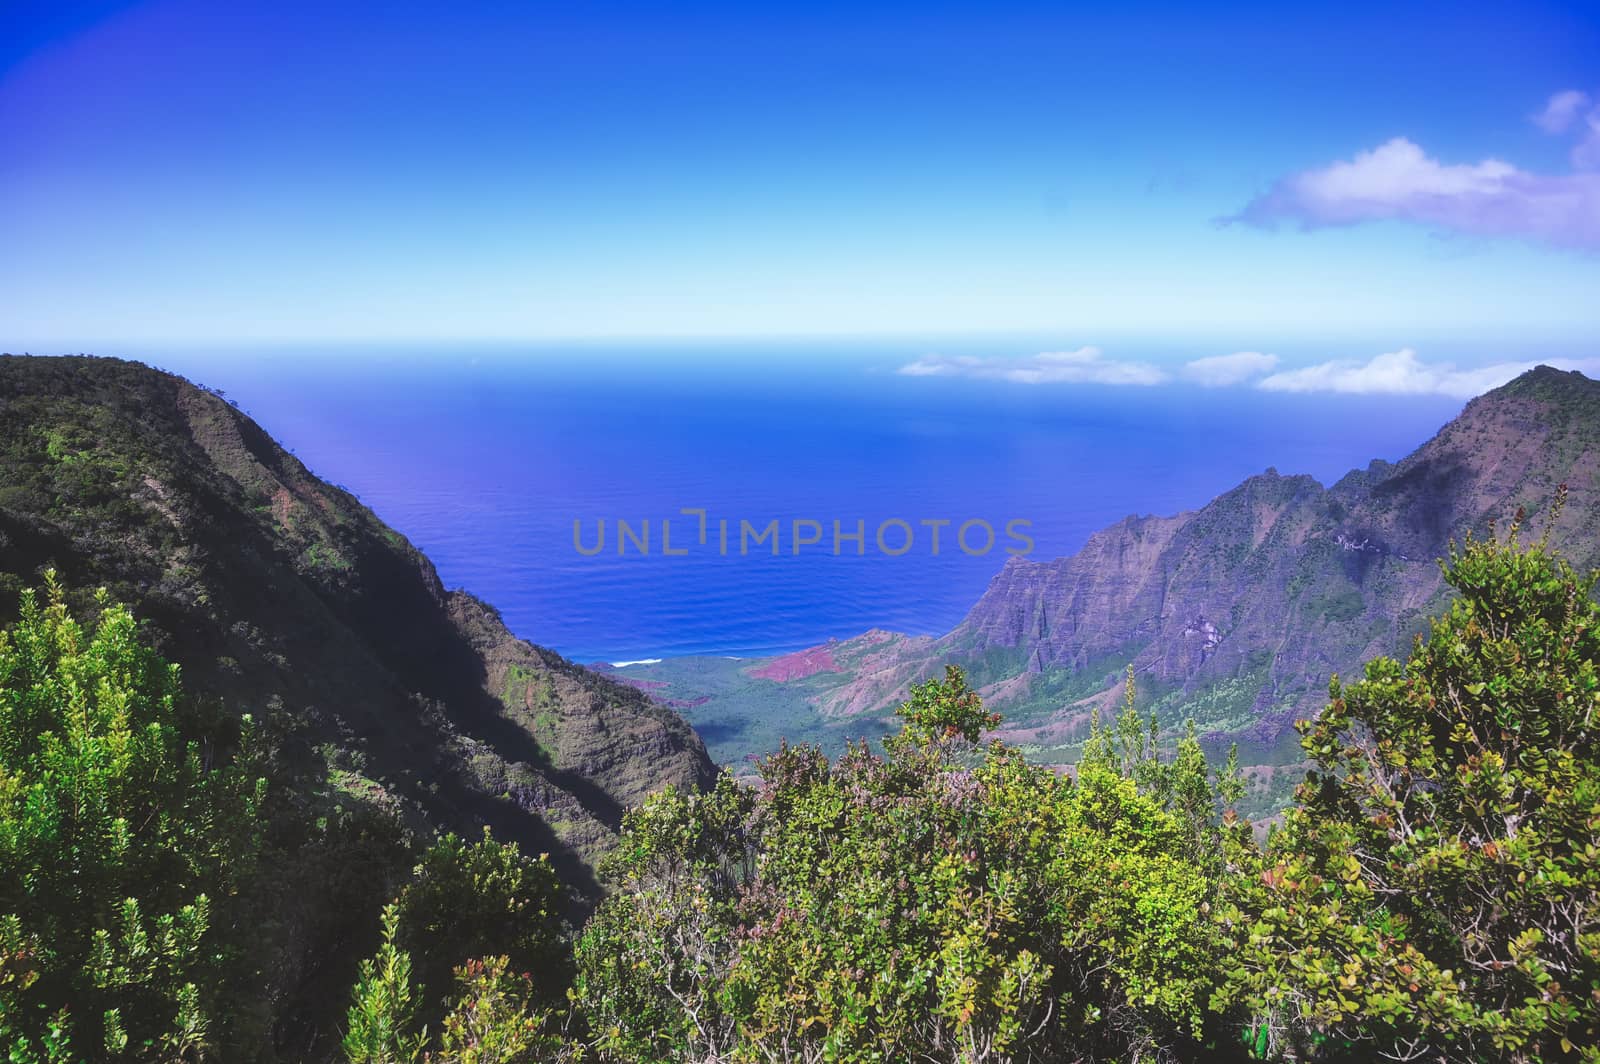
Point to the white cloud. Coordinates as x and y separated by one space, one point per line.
1219 371
1403 373
1399 372
1569 108
1086 365
940 366
1560 111
1398 180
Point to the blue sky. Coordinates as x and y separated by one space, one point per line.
189 173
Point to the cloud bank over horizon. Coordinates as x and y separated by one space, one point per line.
1401 372
1400 181
1219 371
1086 365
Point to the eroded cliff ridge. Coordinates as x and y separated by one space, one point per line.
1234 615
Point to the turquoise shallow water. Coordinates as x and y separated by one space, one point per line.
485 460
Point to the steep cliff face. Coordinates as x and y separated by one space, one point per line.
1278 584
1256 575
1234 615
1071 611
275 590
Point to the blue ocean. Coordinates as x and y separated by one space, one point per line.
486 459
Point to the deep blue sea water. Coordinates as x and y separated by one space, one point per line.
485 459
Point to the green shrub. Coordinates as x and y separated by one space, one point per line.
472 900
1436 892
120 841
493 1016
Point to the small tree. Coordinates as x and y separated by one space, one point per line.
944 711
1130 747
494 1019
118 838
382 1018
654 960
1437 891
474 900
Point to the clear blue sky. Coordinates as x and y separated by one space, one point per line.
190 172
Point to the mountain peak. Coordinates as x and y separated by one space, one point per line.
1548 384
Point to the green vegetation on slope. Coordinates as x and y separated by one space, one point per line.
1434 893
1437 885
282 596
386 709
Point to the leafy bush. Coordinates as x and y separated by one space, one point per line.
473 900
493 1017
655 959
120 841
382 1019
1436 892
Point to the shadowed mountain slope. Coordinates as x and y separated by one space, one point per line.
275 590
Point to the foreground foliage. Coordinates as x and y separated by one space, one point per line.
121 845
493 1015
1436 891
482 918
943 901
1433 895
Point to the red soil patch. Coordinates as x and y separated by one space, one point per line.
284 505
796 666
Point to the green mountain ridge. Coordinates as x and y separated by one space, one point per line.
276 591
1235 615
